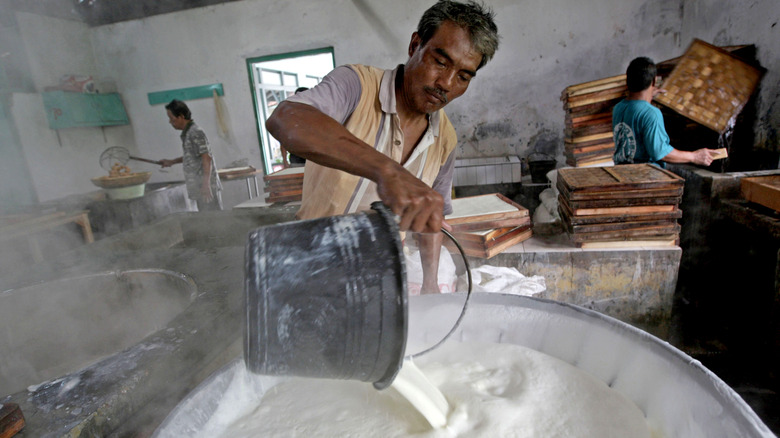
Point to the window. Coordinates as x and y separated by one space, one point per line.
275 78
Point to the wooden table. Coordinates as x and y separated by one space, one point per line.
29 225
245 173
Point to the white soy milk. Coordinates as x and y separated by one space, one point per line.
422 394
487 390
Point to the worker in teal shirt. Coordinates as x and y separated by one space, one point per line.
638 126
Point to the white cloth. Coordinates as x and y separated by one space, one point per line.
488 278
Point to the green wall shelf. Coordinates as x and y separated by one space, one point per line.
66 109
201 92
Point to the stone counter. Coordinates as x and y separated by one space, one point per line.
634 285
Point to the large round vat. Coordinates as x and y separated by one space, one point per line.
679 397
58 327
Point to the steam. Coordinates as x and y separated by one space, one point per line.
59 327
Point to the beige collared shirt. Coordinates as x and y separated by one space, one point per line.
349 94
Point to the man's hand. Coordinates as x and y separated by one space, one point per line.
703 156
167 163
205 191
419 206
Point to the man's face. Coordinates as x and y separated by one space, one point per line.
439 71
178 123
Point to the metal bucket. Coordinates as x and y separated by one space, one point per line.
539 165
327 298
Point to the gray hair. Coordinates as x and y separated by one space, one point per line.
476 18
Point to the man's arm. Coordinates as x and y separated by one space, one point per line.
313 135
657 142
701 157
169 163
430 251
205 187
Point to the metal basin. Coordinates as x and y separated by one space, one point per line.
58 327
679 397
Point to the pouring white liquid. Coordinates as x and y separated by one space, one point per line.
493 390
422 394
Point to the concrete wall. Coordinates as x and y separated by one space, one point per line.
633 285
512 107
60 162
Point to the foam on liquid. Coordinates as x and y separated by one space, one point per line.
489 390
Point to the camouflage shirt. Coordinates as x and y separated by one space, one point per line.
194 144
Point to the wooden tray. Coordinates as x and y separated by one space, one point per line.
619 202
656 242
593 86
763 190
710 86
486 212
488 238
575 150
517 235
616 210
592 108
233 172
291 198
289 173
662 192
592 118
11 419
615 178
569 216
597 160
618 226
643 233
283 184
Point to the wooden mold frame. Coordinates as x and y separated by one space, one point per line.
710 86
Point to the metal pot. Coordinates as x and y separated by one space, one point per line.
676 393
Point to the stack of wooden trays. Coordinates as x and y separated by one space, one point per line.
486 225
285 185
620 206
588 123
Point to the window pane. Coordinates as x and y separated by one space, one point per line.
291 79
272 98
270 77
310 81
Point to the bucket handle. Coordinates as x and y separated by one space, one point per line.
465 304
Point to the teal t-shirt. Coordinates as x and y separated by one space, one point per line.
639 133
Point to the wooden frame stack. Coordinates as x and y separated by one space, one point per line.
620 206
486 225
285 185
588 121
